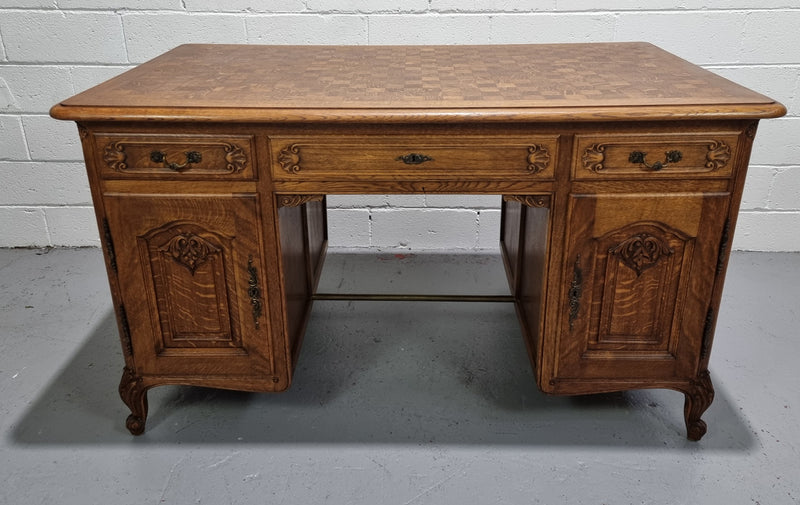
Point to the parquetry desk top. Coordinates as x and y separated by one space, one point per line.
583 82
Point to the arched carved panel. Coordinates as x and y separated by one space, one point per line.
641 266
193 281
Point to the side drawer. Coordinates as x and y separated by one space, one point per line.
204 157
343 158
653 156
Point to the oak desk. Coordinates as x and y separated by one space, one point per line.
621 168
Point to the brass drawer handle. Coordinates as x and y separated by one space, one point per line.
413 159
161 157
638 157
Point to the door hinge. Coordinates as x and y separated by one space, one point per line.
723 245
574 292
127 343
705 344
109 243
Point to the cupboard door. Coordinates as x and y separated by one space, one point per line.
193 285
639 278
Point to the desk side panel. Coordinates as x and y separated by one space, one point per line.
532 275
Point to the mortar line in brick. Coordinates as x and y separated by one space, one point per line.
767 210
39 160
124 39
47 227
770 190
429 10
5 49
664 11
369 228
709 66
76 63
476 243
46 206
24 136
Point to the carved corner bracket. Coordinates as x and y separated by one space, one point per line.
538 201
296 200
289 158
538 158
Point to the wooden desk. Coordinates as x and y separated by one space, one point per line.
621 169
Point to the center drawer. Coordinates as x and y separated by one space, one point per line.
344 158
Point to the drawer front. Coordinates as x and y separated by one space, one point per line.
406 158
204 157
654 155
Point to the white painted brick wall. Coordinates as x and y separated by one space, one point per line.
51 49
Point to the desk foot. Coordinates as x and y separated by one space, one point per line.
134 394
699 396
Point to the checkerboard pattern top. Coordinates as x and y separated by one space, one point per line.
503 77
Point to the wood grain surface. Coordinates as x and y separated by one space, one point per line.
621 167
416 83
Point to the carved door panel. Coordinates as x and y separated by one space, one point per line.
193 285
640 272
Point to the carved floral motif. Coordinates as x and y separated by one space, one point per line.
235 157
189 250
114 155
539 201
593 157
289 158
296 200
719 153
538 158
641 252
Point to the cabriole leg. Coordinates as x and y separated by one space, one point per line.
698 398
134 394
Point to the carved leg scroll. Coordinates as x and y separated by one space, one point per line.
698 398
134 394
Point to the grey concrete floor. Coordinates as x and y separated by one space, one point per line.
393 403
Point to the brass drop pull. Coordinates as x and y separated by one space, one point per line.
638 157
161 157
414 159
